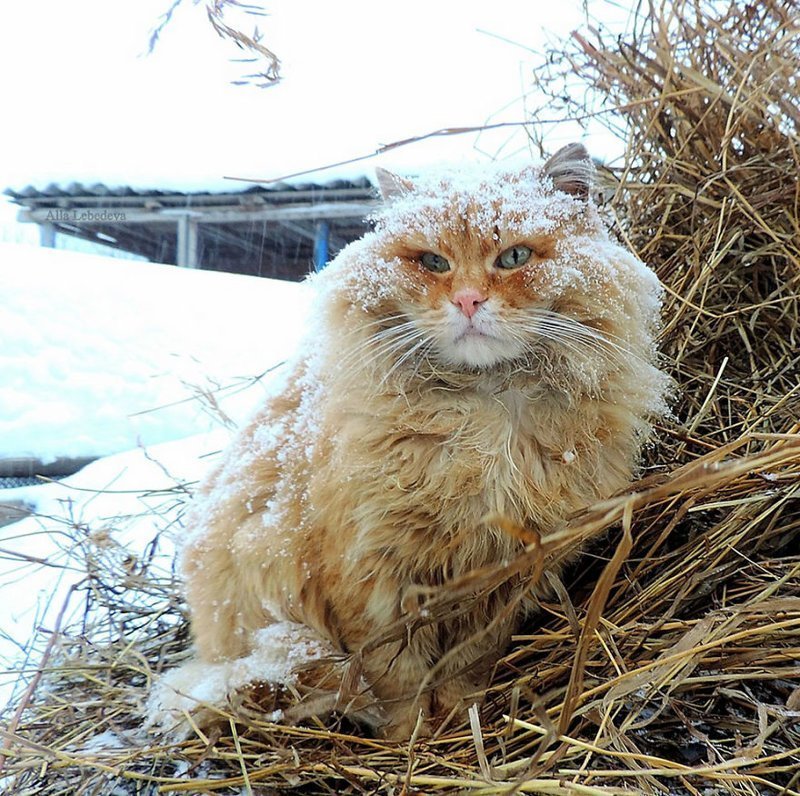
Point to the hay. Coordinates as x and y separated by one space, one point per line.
669 662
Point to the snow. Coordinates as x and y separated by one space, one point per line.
99 355
123 508
517 195
106 741
278 653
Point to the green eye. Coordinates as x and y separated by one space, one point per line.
514 257
434 262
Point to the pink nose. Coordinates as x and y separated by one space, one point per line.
468 301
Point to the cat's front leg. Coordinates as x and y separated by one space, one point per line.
457 693
466 668
397 674
217 602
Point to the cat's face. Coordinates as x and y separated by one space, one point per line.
480 270
468 293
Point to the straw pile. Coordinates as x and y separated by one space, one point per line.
669 662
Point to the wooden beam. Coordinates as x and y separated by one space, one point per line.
230 215
219 235
127 239
336 242
178 200
29 467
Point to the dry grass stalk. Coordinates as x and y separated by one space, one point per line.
250 43
668 661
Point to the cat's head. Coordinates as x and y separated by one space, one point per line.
483 267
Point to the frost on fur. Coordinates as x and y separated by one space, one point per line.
424 400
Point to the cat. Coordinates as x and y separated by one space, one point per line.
486 350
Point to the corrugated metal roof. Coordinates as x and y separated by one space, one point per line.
77 190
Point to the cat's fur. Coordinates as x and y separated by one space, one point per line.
422 403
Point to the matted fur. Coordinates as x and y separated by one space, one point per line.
404 424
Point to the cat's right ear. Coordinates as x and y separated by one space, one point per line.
391 186
571 170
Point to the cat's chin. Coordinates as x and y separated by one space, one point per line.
477 351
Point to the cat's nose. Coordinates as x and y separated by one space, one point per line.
468 301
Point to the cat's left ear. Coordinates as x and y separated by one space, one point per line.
392 186
571 170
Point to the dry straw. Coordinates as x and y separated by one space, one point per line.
668 660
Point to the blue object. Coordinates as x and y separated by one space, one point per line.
321 245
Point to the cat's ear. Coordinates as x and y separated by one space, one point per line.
571 170
391 186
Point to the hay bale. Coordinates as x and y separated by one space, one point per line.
670 660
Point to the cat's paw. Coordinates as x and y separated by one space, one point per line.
191 693
200 692
404 725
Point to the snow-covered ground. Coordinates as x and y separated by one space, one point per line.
140 361
99 355
119 509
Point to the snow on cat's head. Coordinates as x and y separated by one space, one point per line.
479 267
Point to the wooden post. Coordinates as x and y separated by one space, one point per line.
47 235
187 242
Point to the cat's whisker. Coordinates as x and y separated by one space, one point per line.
409 344
391 345
605 337
569 346
610 351
382 321
578 346
387 332
584 348
378 358
593 339
355 351
387 341
377 342
408 354
388 322
423 357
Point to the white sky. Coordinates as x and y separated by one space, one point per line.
84 103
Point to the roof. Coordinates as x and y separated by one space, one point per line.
78 192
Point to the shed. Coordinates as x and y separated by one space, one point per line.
280 231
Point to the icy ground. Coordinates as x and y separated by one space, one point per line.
151 364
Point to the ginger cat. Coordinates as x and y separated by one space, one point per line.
486 350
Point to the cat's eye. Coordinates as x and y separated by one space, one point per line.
434 262
514 257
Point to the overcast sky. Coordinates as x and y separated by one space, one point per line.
84 102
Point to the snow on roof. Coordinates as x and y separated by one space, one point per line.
78 190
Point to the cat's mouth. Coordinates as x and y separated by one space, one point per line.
474 346
476 330
473 331
481 341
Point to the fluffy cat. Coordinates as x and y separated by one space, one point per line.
486 351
